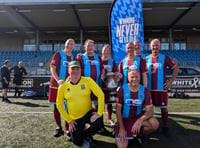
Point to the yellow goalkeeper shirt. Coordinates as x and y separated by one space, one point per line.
78 98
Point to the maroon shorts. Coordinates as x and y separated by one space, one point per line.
52 95
107 96
128 123
159 99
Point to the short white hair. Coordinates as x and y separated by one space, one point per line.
155 40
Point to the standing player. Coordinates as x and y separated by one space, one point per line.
137 50
134 112
132 62
156 64
59 71
91 63
109 66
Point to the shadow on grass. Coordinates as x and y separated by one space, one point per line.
28 104
184 133
192 120
35 98
181 136
29 98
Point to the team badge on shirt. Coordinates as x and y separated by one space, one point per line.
136 63
65 63
68 89
53 62
82 87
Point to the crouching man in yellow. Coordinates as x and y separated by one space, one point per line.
76 91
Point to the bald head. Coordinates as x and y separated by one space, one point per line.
69 40
69 45
130 48
20 63
137 48
7 63
89 47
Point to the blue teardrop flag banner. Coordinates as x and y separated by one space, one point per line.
126 25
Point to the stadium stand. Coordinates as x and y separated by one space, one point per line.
185 57
31 59
189 57
40 59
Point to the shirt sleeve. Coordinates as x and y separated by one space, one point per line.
101 64
12 68
24 71
143 67
119 98
2 72
99 94
169 62
56 59
120 67
60 103
148 98
80 60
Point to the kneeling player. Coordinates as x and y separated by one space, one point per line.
134 112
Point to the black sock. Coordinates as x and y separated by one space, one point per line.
19 93
16 91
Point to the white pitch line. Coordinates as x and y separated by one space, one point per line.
15 112
181 113
170 113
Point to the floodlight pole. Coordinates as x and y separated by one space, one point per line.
37 40
81 39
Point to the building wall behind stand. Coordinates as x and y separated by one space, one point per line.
194 41
10 42
55 41
191 39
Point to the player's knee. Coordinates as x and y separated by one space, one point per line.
154 123
98 124
122 144
77 141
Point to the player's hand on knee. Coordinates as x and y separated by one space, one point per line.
94 117
136 126
72 126
122 135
